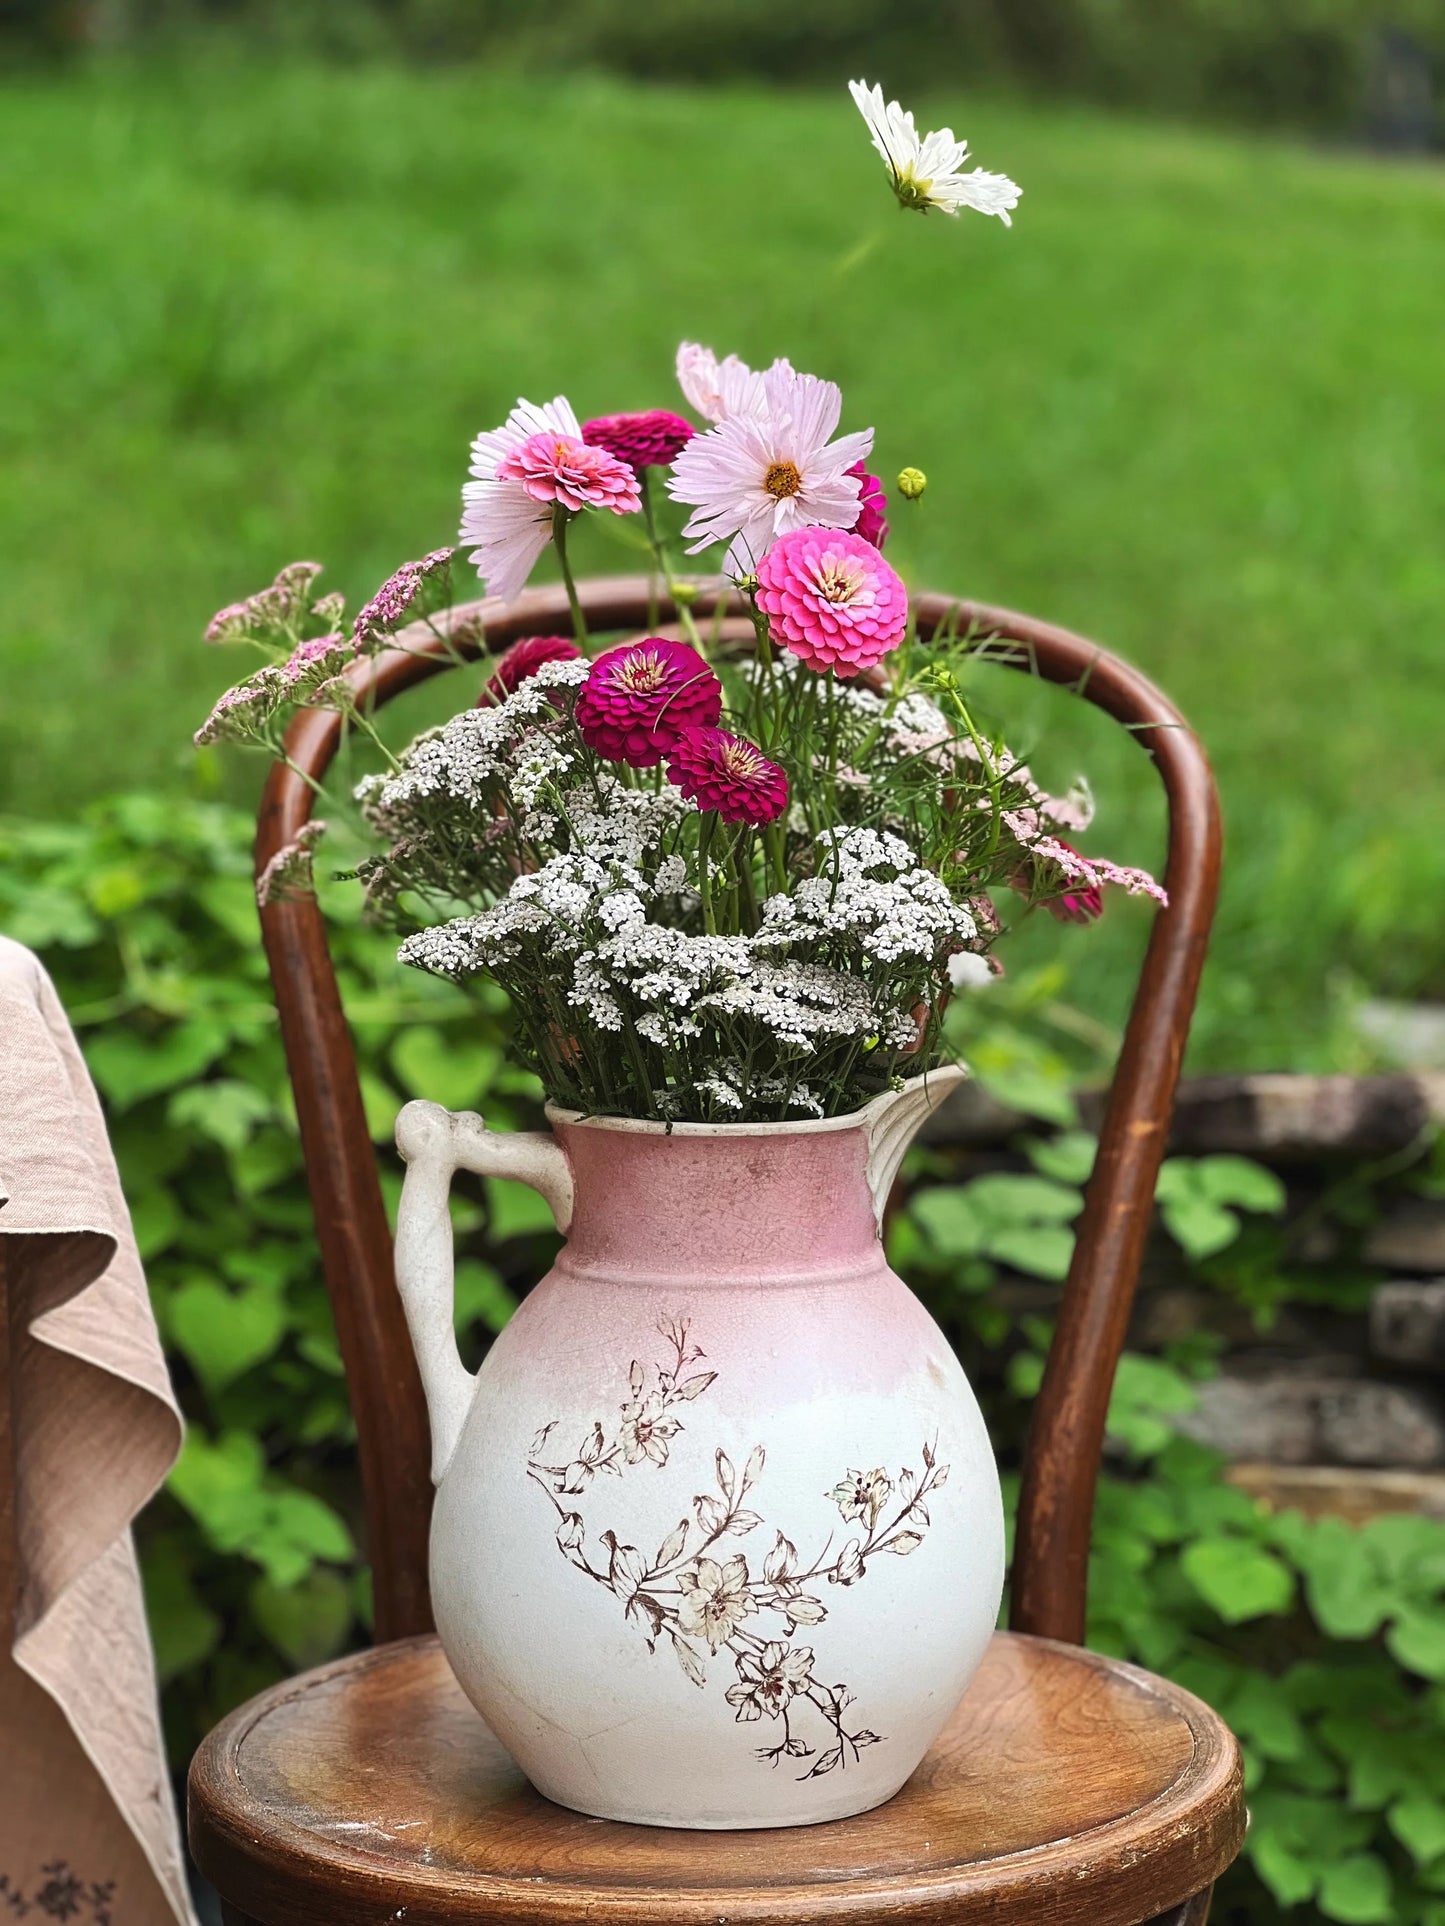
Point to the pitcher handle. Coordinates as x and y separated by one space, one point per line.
434 1143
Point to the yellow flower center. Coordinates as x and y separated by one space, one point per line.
838 581
742 760
782 480
642 674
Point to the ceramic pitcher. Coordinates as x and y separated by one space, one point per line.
718 1539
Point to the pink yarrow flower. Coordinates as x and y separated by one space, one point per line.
1088 877
505 523
724 772
872 522
638 699
754 477
653 439
832 599
515 665
394 601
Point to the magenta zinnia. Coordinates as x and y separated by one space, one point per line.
872 522
832 599
653 439
726 773
639 698
561 468
513 666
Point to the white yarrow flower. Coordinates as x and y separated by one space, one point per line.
755 476
928 171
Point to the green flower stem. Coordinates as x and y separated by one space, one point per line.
704 876
560 519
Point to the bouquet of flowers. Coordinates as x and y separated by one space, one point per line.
719 883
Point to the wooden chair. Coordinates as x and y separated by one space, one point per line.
1067 1788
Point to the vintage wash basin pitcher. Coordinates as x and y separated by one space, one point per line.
718 1539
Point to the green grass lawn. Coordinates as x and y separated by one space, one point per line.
1193 404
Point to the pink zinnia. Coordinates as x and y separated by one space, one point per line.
726 773
832 599
639 698
563 468
872 522
653 439
513 666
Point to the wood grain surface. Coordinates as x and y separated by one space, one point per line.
1067 1788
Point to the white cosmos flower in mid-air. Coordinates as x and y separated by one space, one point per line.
928 171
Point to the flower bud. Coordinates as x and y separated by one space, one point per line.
911 483
683 593
747 583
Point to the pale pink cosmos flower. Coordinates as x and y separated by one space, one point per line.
717 389
753 478
507 516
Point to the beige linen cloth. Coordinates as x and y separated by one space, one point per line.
88 1828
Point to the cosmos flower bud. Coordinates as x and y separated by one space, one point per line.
911 483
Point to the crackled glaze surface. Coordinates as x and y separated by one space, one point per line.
718 1539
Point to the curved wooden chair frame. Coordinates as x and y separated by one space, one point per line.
1067 1431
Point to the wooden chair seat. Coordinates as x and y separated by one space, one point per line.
1067 1788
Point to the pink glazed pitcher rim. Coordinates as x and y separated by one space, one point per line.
948 1074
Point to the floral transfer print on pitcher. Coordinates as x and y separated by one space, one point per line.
701 1595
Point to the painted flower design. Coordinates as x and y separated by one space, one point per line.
926 171
862 1494
638 699
698 1596
832 599
645 1431
727 773
758 474
769 1679
715 1599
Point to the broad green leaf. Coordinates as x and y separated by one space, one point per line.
130 1066
1026 1087
222 1333
1261 1712
308 1522
1039 1250
516 1210
1342 1586
481 1294
1418 1822
381 1104
155 1218
1068 1158
1357 1891
1199 1227
1289 1877
442 1068
1239 1180
1417 1640
950 1220
1004 1199
225 1110
1240 1580
184 1629
1410 1551
307 1622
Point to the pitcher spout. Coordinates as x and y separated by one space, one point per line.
894 1119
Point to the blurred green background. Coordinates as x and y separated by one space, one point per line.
265 270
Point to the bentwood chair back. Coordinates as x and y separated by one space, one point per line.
1068 1789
